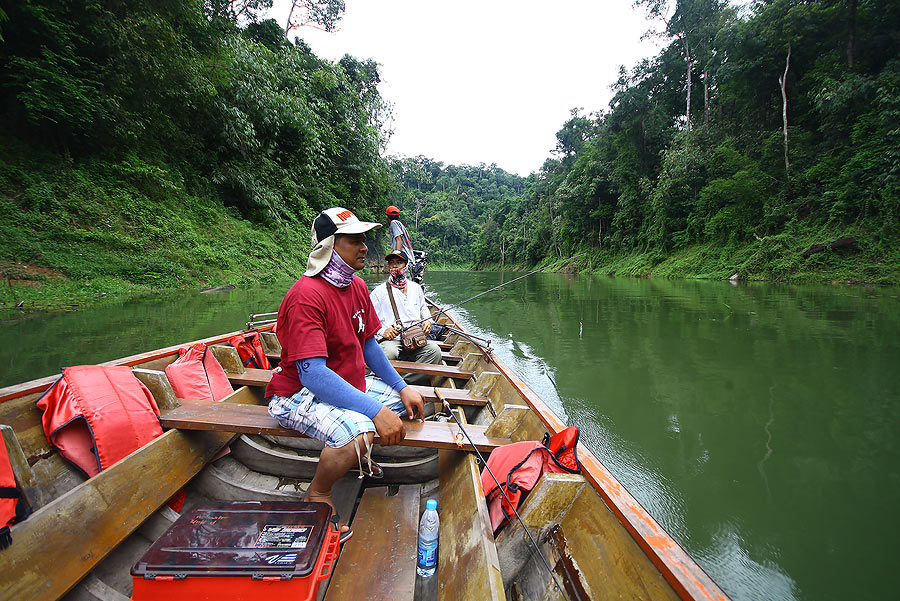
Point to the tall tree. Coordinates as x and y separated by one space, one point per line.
320 14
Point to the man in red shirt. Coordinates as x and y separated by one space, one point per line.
327 327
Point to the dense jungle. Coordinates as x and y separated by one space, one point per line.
187 143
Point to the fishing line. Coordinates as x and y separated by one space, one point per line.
436 315
446 405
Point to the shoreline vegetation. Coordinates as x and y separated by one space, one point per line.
152 148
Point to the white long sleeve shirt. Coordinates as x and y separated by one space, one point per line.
410 306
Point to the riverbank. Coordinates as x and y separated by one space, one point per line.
77 233
798 255
95 231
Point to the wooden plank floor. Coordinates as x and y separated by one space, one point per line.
384 541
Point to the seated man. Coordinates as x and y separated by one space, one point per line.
327 327
410 308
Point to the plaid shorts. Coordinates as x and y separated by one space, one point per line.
335 426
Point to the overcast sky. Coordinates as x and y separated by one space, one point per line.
486 81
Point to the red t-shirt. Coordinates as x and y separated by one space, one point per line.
318 319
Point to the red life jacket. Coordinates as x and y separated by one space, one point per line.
249 347
96 415
518 467
196 375
13 506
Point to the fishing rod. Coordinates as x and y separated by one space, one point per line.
484 343
440 397
521 277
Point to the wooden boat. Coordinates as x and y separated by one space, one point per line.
84 535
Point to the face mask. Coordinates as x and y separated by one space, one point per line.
398 277
337 271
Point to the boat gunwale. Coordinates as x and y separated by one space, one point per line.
16 391
689 580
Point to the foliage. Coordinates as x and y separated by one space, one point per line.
155 127
656 181
444 207
146 144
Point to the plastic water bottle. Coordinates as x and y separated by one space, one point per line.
426 561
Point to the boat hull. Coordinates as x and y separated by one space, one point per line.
600 542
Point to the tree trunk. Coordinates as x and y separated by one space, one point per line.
782 81
851 37
706 97
687 60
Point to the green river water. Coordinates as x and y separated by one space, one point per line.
760 424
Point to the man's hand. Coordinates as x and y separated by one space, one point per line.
389 427
414 403
390 333
426 327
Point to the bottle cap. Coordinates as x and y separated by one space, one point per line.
431 504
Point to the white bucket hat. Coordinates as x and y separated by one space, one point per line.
336 220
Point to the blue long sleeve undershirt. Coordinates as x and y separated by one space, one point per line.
323 382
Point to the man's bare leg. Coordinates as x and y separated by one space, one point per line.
333 464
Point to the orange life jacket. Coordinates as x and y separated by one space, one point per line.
518 467
96 415
13 507
249 347
196 375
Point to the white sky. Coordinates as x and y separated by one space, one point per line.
486 81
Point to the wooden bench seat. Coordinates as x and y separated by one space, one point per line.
385 529
443 371
445 356
455 396
250 377
449 358
260 377
255 419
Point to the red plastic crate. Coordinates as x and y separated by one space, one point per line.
244 551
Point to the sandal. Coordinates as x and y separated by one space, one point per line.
374 470
345 536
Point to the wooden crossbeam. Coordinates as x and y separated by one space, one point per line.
453 359
456 396
255 419
444 371
250 377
